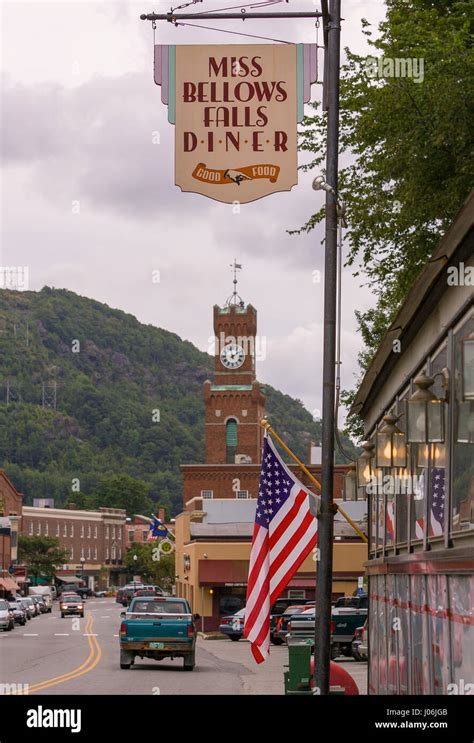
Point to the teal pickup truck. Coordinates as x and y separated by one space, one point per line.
158 627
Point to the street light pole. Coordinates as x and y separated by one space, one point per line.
326 515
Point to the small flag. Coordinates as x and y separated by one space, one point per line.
157 530
285 532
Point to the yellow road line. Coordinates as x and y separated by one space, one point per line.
88 665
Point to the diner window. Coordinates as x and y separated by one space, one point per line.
462 505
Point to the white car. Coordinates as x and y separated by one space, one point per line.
7 621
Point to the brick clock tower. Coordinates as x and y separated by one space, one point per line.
235 403
234 407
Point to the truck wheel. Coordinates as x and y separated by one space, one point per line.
189 662
234 638
335 652
126 659
277 640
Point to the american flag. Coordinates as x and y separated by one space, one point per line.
285 532
437 501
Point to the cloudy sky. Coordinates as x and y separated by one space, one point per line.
89 201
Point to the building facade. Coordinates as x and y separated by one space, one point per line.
10 515
94 540
417 404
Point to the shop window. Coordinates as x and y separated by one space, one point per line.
461 593
462 501
439 621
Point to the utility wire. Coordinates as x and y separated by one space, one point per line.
234 33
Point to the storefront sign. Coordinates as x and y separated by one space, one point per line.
236 109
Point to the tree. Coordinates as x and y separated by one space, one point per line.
411 148
123 491
152 566
41 555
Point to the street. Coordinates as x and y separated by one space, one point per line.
81 656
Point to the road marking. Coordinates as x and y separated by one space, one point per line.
105 616
30 634
61 634
115 635
89 664
89 634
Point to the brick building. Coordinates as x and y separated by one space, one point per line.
95 541
10 513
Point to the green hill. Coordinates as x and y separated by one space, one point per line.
107 394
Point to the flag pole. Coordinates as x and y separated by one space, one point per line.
268 429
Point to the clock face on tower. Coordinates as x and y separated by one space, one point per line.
232 356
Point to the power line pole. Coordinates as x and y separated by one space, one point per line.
326 516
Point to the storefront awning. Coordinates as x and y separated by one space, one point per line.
8 584
68 578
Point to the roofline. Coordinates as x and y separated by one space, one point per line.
416 298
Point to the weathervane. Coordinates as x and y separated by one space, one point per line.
235 299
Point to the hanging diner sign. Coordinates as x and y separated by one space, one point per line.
236 109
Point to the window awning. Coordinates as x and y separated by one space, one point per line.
68 578
8 584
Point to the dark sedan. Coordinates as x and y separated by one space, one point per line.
281 626
19 613
233 625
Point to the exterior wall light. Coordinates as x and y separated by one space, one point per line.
438 455
350 483
365 468
425 413
468 368
390 449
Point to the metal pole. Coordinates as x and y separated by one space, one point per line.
172 17
326 518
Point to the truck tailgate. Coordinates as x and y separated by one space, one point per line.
139 630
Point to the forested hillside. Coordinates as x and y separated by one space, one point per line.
110 374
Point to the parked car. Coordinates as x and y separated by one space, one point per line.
39 603
101 594
158 627
281 625
28 605
71 605
233 625
7 621
277 610
349 613
32 608
46 594
84 592
19 613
